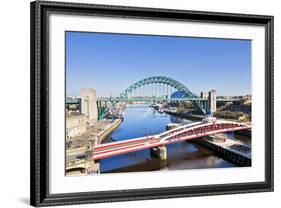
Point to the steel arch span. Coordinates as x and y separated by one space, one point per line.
168 82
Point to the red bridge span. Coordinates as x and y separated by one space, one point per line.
179 134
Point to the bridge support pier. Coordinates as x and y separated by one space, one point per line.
159 152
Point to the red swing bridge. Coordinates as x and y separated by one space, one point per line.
157 143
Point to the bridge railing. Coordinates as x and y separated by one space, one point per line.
202 129
181 134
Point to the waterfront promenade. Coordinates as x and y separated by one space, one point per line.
79 150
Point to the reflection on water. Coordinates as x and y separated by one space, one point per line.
139 121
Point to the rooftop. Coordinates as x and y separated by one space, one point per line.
73 114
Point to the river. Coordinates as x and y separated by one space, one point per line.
141 120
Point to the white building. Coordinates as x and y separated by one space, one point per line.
76 125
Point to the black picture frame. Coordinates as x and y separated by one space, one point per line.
39 177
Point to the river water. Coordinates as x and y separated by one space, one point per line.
141 120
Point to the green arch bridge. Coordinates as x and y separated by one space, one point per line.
153 89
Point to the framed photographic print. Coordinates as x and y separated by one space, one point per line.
131 103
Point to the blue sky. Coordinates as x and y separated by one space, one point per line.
112 62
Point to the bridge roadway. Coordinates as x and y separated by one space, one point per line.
145 99
148 99
179 134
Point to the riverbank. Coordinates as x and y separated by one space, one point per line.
79 152
102 135
232 150
200 117
187 116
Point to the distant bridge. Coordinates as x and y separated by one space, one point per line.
179 134
147 99
154 89
150 99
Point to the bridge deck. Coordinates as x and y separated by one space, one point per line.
136 99
186 132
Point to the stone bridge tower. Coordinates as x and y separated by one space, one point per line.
89 105
212 101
